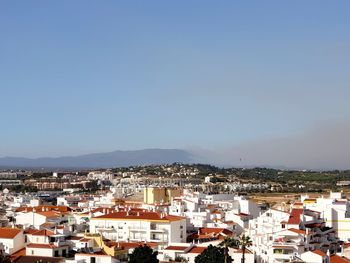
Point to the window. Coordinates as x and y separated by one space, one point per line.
56 253
92 260
32 252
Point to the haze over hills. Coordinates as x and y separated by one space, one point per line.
104 160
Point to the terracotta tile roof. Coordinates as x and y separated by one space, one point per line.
338 259
294 218
103 210
179 248
140 216
50 214
197 250
19 253
43 233
30 231
298 231
6 232
34 245
319 252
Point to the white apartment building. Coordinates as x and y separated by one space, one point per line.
140 225
335 210
200 210
279 236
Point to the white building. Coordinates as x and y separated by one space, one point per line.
140 225
279 236
46 243
36 219
335 210
12 239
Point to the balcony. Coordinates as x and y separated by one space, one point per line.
138 229
105 228
288 243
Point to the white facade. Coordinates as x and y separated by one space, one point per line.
335 210
88 258
12 245
140 228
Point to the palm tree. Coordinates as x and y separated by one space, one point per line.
244 242
227 243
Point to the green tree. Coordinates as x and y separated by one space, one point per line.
244 243
227 243
143 254
212 255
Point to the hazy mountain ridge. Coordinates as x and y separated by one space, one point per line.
104 160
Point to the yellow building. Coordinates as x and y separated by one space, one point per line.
156 195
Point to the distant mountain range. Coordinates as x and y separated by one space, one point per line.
103 160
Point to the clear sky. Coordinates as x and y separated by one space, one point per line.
93 76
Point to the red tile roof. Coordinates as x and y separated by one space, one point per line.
43 233
19 253
197 250
48 246
50 214
338 259
180 248
294 218
6 232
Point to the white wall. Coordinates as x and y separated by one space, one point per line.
13 245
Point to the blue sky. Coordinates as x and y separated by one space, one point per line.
90 76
